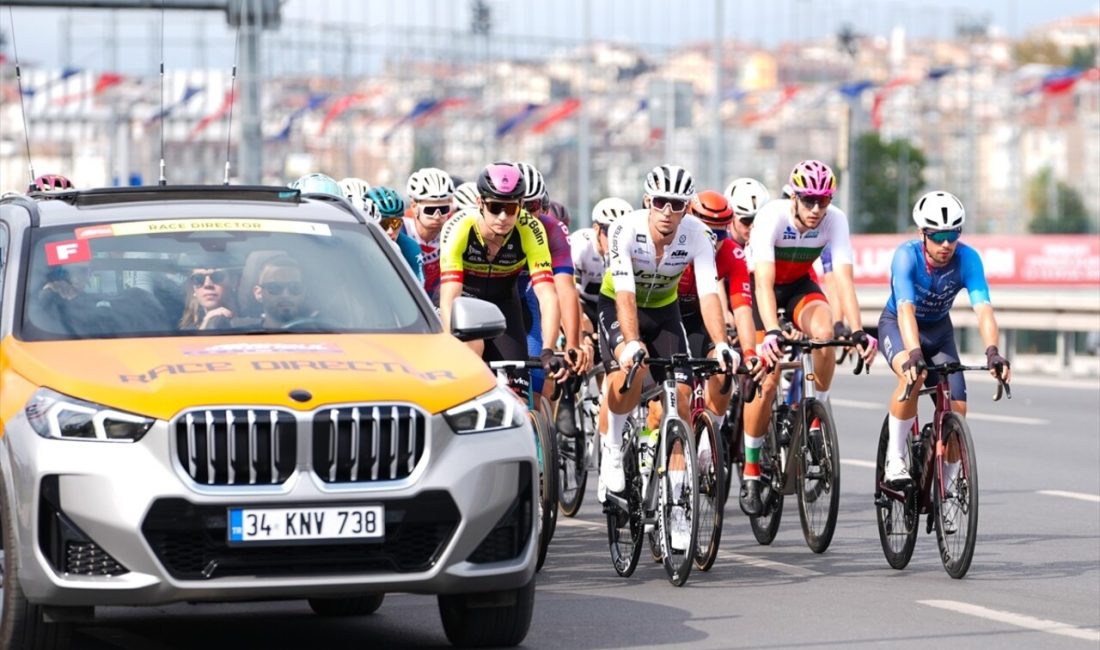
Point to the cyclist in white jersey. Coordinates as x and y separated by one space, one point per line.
589 251
431 195
639 310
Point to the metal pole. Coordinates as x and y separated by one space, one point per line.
584 151
716 158
251 148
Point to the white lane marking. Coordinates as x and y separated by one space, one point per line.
580 523
857 463
788 569
1071 495
990 417
1019 620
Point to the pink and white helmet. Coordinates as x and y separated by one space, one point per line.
501 181
813 178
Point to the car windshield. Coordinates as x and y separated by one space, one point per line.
186 277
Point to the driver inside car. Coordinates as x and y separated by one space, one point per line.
282 294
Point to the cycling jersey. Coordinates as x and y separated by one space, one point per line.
930 289
730 263
634 266
558 238
588 264
411 252
464 256
429 258
775 238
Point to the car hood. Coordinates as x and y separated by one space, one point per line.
159 377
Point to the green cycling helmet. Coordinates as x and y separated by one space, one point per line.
388 201
317 183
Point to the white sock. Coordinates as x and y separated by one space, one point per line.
900 430
616 424
754 443
823 396
676 476
704 445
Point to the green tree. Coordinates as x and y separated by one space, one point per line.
880 173
1039 51
1083 57
1068 216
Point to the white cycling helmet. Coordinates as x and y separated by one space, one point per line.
746 195
532 181
671 181
430 184
608 210
939 211
354 189
466 195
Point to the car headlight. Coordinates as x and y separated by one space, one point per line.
497 409
54 415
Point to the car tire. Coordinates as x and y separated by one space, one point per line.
22 623
499 618
356 606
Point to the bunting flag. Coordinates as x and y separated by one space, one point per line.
341 105
510 124
939 72
853 89
188 93
227 103
424 110
65 74
643 106
314 101
103 82
437 108
880 97
1092 74
785 96
1060 81
563 110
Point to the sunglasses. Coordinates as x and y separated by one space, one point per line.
676 205
390 223
746 221
217 277
810 201
943 236
279 288
533 206
436 209
496 207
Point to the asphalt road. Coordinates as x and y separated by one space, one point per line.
1034 582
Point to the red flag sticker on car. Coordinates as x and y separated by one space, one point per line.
91 232
68 252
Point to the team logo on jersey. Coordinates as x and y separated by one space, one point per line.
640 238
813 234
789 233
683 238
678 253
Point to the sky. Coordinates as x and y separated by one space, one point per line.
652 23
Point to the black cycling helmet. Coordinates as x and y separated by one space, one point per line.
501 181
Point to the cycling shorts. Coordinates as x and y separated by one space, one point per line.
792 297
699 343
660 328
937 344
512 344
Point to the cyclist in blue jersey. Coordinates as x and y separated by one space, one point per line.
925 277
391 209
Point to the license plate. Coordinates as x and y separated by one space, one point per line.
304 524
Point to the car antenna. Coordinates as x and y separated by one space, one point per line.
232 97
22 107
162 180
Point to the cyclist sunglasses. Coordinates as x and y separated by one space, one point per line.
436 209
943 236
676 205
810 201
217 277
533 206
496 207
278 288
390 223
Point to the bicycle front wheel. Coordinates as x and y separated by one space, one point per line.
548 493
955 497
817 477
766 525
898 520
572 464
712 489
679 504
625 528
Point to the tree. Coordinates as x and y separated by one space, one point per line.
880 180
1039 51
1067 216
1083 57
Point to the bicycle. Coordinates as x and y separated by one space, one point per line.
801 430
578 438
950 503
644 502
538 409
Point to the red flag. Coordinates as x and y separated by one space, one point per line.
227 103
105 81
1092 74
564 110
880 97
343 104
788 93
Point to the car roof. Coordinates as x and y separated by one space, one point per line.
182 202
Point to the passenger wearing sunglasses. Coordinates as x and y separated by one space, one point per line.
391 217
915 326
431 203
482 252
788 235
281 293
209 300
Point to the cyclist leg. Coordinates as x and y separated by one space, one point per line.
901 414
941 348
619 405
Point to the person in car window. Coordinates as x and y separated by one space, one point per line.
281 293
209 302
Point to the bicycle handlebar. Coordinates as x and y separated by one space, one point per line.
710 366
950 368
811 344
531 363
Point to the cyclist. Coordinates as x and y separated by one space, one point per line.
561 213
788 235
925 277
466 196
482 252
354 190
639 311
589 250
51 183
391 210
746 197
431 198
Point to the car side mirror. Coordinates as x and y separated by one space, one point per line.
473 319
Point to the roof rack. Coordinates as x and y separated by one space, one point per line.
108 195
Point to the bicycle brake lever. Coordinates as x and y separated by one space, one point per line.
1002 391
861 366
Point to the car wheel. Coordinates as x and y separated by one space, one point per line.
22 624
498 618
355 606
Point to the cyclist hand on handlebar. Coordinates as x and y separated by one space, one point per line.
728 358
555 369
579 359
626 359
998 365
868 345
914 368
758 368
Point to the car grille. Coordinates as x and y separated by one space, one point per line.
237 446
191 542
367 443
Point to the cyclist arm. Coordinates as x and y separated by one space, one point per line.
452 242
973 276
764 275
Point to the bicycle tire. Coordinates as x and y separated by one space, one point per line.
625 530
733 442
765 526
957 547
547 484
572 463
678 563
552 440
898 521
817 475
712 496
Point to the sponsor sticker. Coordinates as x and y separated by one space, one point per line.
70 251
261 348
125 228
